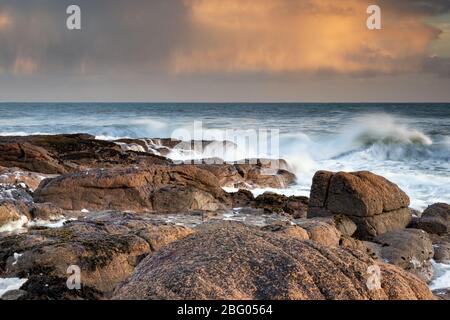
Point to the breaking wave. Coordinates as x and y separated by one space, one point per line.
375 137
381 144
411 149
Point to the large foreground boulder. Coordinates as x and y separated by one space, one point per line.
375 204
156 188
105 247
435 219
234 261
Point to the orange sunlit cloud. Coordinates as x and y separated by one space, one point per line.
5 21
299 36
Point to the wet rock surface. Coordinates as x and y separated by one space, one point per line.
15 202
409 249
25 179
48 211
442 252
68 153
164 146
443 294
435 219
106 247
9 212
15 193
270 202
293 205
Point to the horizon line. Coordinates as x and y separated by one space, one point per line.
226 102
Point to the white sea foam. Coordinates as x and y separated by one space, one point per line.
23 133
381 144
441 279
14 226
16 258
8 284
131 147
294 190
386 129
110 137
224 150
23 224
49 223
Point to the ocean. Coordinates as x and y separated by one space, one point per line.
408 144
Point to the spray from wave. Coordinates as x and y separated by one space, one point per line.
383 135
373 137
386 129
379 143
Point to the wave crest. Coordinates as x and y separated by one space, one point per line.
385 129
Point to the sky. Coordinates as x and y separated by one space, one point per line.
225 51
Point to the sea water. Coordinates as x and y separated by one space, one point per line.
407 143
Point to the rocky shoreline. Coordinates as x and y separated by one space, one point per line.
140 226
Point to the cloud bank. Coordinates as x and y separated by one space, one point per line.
209 41
303 36
189 36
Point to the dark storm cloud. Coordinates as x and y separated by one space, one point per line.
116 35
430 64
421 7
143 36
